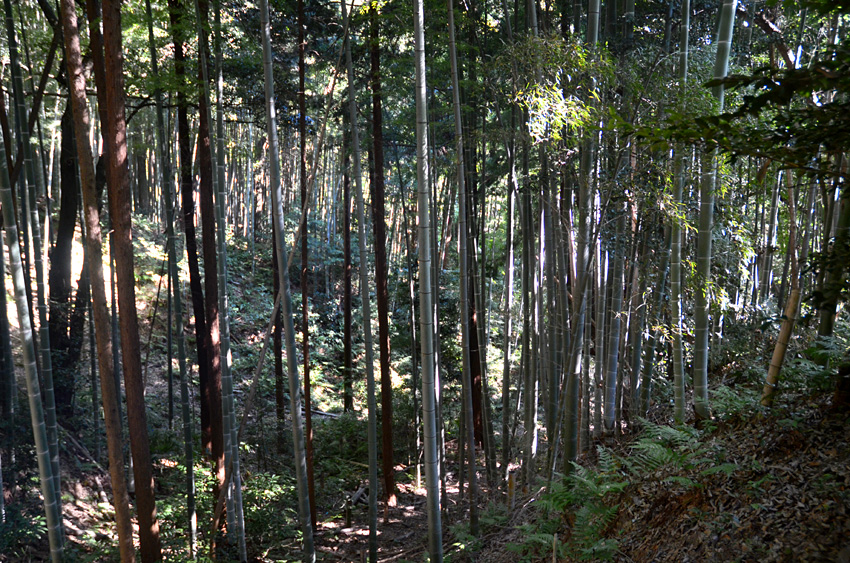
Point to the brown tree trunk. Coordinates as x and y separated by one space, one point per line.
66 343
380 231
100 312
96 50
176 10
142 184
212 434
118 181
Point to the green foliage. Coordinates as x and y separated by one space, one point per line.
464 544
341 452
586 498
557 81
729 403
21 530
663 448
269 512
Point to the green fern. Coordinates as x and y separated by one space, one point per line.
665 448
728 402
603 549
587 541
686 482
679 437
649 456
727 468
607 462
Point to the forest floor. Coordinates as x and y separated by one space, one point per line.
781 493
778 489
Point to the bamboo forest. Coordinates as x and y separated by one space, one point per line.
425 280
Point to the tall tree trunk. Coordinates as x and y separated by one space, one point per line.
348 384
119 206
411 284
379 228
100 313
680 163
789 317
834 274
367 309
166 179
7 368
509 291
48 490
309 553
279 385
600 346
615 273
305 290
529 371
426 320
707 188
465 327
177 11
229 427
30 185
65 344
212 436
579 285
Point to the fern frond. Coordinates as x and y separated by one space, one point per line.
684 481
650 456
608 462
683 437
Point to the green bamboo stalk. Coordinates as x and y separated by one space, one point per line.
229 413
309 553
426 321
48 486
31 185
680 164
707 189
464 277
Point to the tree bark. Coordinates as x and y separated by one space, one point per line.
305 290
177 10
66 344
467 331
707 188
348 392
119 206
789 317
366 307
212 435
379 228
176 294
100 312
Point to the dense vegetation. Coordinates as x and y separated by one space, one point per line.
390 280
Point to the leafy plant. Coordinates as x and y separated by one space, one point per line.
21 530
664 448
586 496
728 402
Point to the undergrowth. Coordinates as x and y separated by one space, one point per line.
581 508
